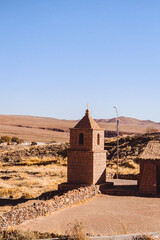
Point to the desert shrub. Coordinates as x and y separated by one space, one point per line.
144 237
16 140
5 139
151 130
17 235
63 151
77 231
53 141
130 164
27 195
20 235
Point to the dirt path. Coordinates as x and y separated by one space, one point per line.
104 215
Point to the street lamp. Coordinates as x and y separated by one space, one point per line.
117 140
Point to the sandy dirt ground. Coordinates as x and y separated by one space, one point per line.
104 215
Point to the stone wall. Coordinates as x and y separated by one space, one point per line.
41 208
127 176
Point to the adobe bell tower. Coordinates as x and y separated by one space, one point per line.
86 156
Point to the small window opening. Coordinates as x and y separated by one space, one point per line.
98 138
81 139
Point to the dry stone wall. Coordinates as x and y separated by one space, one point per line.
19 215
127 176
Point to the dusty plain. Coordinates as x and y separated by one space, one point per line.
103 215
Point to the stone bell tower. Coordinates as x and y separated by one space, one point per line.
86 156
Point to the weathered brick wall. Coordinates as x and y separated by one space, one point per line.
158 176
74 139
86 167
148 177
99 167
95 146
80 167
87 162
90 139
20 214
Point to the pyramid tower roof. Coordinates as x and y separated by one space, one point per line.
87 122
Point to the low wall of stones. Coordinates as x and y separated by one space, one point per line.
127 176
41 208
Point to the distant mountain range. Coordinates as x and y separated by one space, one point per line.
128 121
45 129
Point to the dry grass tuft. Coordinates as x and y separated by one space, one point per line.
31 180
125 167
145 237
22 235
18 235
77 231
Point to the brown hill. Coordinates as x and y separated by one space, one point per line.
45 129
128 121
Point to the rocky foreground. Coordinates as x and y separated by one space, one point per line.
41 208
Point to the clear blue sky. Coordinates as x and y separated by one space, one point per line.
58 55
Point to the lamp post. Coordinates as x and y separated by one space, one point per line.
117 140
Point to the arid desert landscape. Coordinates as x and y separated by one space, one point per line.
29 171
32 172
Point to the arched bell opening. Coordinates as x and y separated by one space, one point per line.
98 139
81 139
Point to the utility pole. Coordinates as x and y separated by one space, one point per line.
117 120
